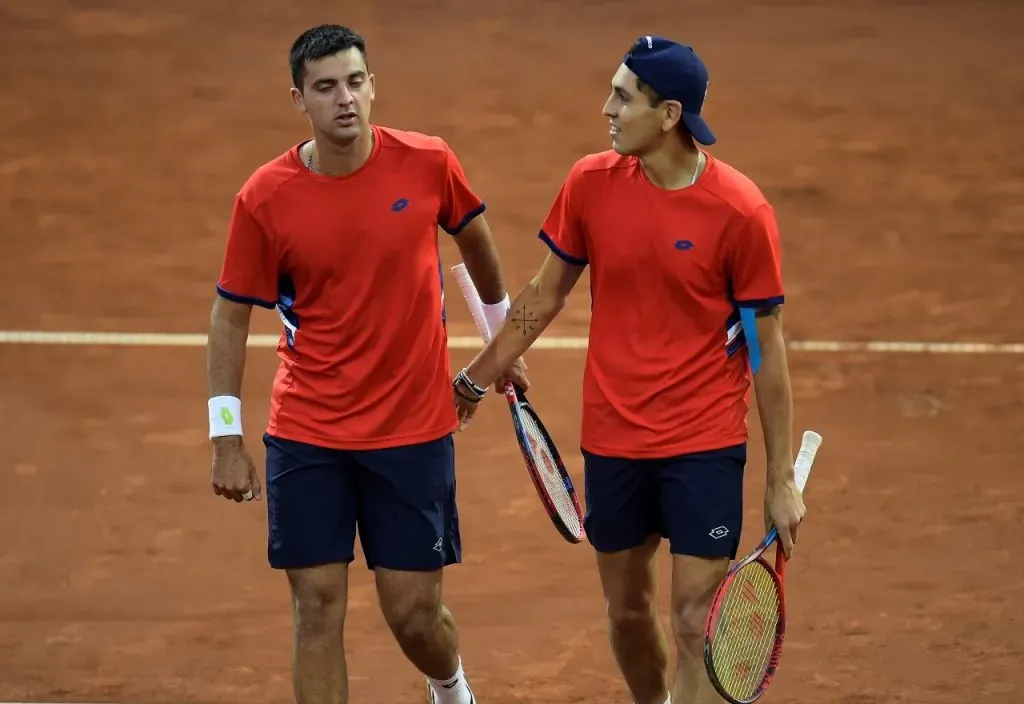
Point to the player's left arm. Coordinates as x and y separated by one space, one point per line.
755 265
480 255
462 216
774 394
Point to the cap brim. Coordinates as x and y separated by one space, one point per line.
698 128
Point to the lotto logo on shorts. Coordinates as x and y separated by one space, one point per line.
719 532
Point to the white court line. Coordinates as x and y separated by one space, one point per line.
142 339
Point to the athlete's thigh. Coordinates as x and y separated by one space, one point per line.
408 516
622 508
311 505
701 498
629 578
694 581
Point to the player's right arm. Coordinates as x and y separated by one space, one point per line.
248 277
540 301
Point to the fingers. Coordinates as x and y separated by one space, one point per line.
235 485
465 414
233 494
465 406
255 488
519 374
786 538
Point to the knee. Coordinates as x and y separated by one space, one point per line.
632 614
688 617
411 617
317 603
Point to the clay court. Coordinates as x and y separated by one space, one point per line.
886 133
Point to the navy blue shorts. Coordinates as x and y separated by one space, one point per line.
402 499
693 500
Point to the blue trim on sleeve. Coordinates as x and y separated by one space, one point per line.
465 220
562 254
245 299
762 302
748 319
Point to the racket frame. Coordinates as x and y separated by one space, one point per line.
518 403
711 624
809 445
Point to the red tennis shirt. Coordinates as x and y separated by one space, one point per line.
667 371
352 267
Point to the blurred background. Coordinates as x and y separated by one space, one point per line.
886 134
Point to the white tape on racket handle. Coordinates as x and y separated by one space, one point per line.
805 458
473 300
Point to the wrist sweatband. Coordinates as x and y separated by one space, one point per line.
225 416
494 314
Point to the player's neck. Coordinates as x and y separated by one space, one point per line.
673 165
333 159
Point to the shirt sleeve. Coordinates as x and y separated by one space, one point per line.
563 229
250 269
459 204
755 261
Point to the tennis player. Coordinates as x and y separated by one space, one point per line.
339 235
682 248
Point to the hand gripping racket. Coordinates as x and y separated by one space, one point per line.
747 620
547 471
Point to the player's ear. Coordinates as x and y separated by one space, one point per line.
672 115
297 99
373 85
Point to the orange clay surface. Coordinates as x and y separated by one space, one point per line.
886 133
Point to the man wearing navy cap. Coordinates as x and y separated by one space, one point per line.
686 286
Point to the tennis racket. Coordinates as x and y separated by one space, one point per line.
543 463
747 620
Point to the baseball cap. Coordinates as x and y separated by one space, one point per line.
675 72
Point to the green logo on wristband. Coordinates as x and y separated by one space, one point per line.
225 415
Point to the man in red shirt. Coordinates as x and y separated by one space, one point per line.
339 236
679 246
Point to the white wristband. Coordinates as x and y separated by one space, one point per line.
494 315
225 416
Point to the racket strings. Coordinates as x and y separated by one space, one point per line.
549 473
745 634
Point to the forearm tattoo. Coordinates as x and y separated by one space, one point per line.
524 320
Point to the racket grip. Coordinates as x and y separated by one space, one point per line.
473 300
805 458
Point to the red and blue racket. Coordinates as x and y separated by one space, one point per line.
747 620
543 462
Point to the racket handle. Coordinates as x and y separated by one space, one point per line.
473 300
780 561
805 458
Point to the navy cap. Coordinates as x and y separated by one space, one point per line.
674 72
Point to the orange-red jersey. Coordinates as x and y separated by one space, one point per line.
351 264
667 371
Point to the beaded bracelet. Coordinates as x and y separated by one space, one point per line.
477 391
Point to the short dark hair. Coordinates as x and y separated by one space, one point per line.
652 95
656 100
319 42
